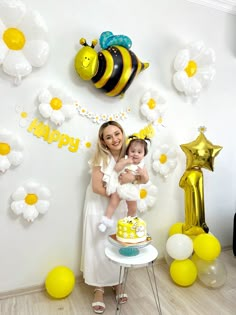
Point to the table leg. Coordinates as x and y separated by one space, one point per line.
153 284
122 286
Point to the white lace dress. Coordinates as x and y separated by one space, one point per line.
97 269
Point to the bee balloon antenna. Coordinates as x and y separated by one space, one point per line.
83 42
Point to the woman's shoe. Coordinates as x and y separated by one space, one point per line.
98 306
122 298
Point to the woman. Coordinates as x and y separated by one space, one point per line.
97 270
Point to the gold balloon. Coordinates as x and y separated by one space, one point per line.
200 153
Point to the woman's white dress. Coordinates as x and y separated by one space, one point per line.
97 269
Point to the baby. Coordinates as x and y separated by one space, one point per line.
134 162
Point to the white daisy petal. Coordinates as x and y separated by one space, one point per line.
181 60
205 75
15 158
196 49
33 25
42 206
3 51
19 194
36 52
44 193
180 80
45 110
193 87
206 58
18 207
45 96
16 65
57 117
12 12
31 186
30 213
4 163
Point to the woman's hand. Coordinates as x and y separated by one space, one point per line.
126 177
141 176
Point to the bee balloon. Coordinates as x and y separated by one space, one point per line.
111 69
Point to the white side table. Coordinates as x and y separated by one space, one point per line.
147 255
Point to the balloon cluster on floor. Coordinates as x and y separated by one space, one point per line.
192 258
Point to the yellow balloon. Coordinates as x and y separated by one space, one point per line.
183 272
176 228
207 246
60 282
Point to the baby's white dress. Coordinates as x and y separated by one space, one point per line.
97 269
129 191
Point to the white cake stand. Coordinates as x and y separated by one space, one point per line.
128 249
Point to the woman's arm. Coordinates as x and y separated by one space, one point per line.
97 181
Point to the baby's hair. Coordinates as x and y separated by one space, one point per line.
135 139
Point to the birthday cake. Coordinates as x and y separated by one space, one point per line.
131 230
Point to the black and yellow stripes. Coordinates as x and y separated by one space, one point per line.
118 67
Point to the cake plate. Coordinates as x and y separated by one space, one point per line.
128 249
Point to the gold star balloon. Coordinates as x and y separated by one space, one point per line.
200 152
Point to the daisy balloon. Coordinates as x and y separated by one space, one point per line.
23 43
30 200
164 159
10 150
56 105
148 195
152 106
195 68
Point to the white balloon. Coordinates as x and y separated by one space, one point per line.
30 213
19 194
18 207
36 52
179 246
4 164
42 206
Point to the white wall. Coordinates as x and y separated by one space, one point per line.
158 29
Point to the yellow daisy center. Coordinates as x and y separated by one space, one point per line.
56 103
191 68
88 145
4 148
151 103
14 39
31 199
163 159
159 120
143 193
24 115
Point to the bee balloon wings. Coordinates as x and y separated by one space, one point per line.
112 69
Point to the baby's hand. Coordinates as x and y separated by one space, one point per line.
129 160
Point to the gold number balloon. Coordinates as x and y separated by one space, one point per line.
112 69
200 153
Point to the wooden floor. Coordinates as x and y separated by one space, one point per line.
193 300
